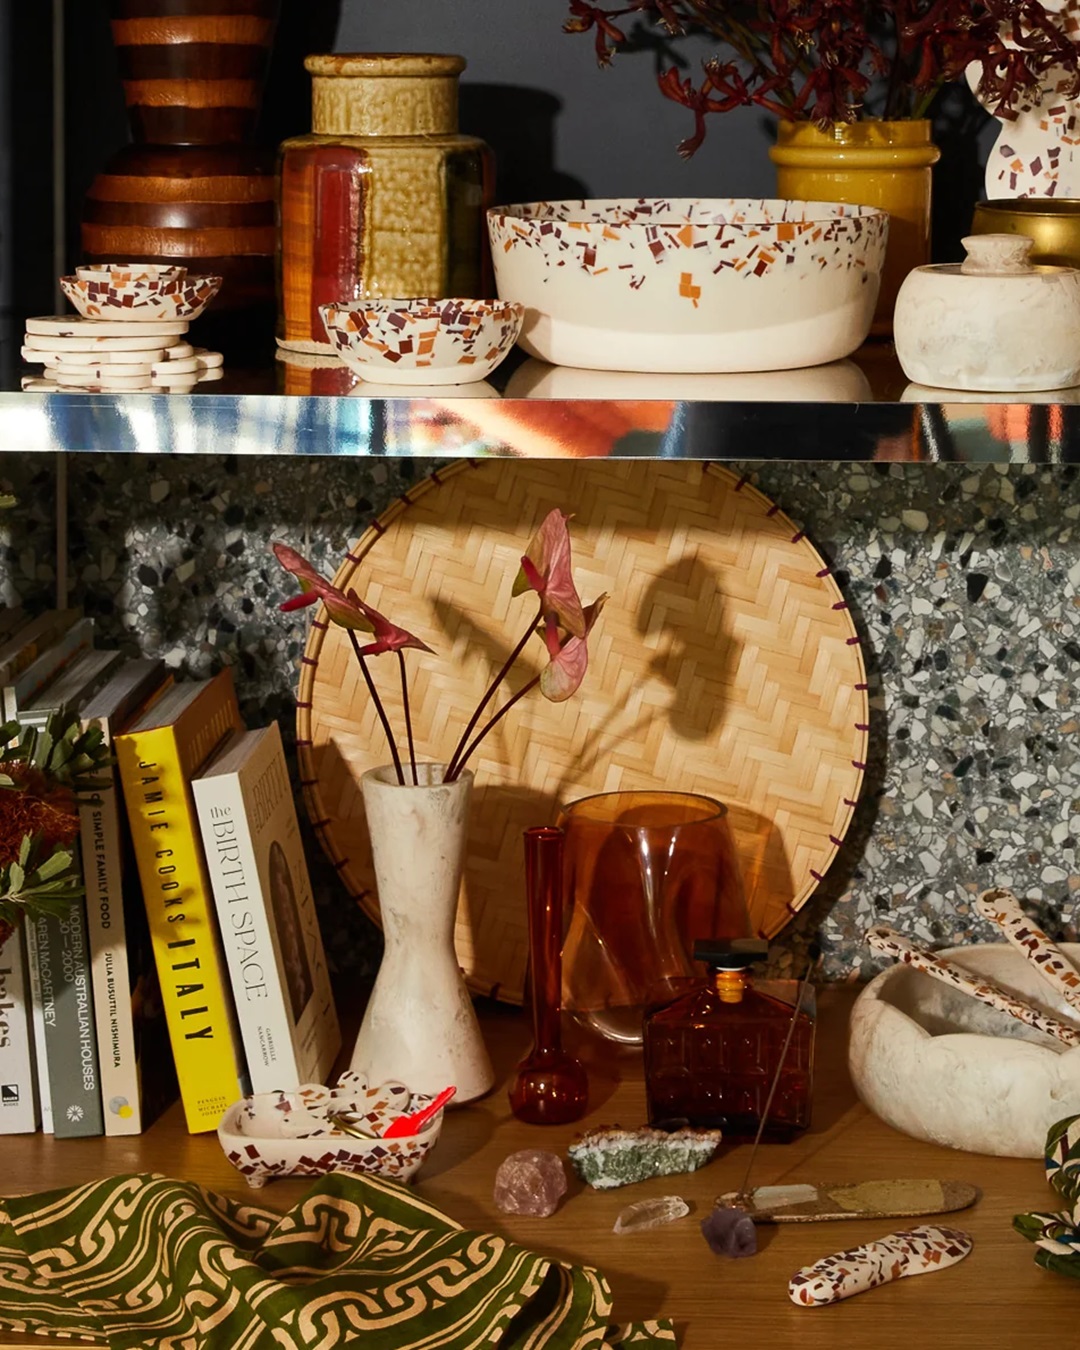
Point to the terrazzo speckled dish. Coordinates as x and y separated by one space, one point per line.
716 285
126 295
123 273
282 1134
445 342
943 1067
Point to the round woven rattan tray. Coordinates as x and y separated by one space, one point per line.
725 663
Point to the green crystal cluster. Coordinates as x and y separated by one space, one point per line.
608 1157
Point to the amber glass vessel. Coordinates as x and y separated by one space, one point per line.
644 873
551 1087
712 1056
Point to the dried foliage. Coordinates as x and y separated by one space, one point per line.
831 61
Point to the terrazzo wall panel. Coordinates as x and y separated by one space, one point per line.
964 581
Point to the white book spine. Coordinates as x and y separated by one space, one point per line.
103 878
37 1017
18 1070
258 992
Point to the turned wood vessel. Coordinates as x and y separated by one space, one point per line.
193 189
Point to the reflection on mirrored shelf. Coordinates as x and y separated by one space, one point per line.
858 409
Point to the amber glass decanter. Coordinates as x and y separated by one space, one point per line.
712 1055
551 1087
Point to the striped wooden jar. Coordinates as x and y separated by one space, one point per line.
192 189
384 198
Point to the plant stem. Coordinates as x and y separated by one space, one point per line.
514 698
378 705
456 760
408 716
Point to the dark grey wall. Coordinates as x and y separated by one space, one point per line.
612 129
610 132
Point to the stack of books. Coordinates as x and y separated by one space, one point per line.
194 959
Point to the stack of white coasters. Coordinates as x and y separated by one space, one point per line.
105 355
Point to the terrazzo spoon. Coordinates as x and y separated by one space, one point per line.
917 1251
1003 910
890 943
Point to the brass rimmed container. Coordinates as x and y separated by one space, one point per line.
1053 223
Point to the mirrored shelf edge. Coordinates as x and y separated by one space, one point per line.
219 424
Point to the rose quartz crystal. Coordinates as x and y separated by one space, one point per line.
530 1182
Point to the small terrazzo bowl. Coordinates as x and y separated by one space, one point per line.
265 1136
126 273
719 285
422 341
943 1067
140 299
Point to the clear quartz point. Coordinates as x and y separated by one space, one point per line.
651 1213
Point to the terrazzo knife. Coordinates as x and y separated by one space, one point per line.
1003 910
918 1251
894 944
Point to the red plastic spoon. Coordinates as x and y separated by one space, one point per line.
410 1124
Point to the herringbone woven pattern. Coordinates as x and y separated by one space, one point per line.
725 663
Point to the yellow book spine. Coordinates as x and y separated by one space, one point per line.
179 906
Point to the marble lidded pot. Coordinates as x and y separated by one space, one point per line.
994 323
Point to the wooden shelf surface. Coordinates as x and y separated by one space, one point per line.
997 1299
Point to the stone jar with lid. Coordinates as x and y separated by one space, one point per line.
994 323
384 198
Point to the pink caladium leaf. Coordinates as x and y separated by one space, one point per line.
560 678
546 569
343 611
388 636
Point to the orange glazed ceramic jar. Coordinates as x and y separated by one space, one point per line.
385 198
870 163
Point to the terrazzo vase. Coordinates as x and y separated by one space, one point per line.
193 188
870 163
384 198
419 1026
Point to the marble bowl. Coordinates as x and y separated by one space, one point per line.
138 298
943 1067
411 342
286 1134
718 285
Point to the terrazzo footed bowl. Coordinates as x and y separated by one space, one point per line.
943 1067
140 298
423 341
289 1134
681 286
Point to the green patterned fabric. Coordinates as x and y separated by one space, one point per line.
1057 1236
139 1261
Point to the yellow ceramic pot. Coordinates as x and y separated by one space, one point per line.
871 163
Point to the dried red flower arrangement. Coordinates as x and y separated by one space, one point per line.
831 61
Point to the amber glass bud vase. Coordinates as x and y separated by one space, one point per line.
551 1087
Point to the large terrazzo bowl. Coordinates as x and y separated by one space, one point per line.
716 285
422 341
943 1067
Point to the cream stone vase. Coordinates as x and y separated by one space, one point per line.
993 323
420 1027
